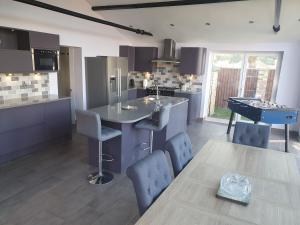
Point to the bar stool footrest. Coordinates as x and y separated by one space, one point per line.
107 158
105 178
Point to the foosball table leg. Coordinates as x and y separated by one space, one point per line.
230 122
287 137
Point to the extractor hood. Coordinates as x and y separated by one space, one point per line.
168 53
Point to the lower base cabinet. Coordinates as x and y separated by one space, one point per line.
141 93
194 104
58 119
23 128
136 93
132 94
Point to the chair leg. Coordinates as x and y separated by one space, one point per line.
151 141
100 173
100 177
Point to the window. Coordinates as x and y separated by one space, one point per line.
238 74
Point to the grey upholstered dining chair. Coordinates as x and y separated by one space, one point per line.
180 150
251 134
150 176
89 125
158 121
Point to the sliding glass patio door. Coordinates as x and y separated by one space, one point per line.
237 74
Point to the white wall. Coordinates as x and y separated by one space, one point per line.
288 92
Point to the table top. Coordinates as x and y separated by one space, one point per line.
144 108
191 197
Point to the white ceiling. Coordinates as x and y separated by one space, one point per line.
229 21
43 19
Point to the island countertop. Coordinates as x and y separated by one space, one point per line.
19 102
144 108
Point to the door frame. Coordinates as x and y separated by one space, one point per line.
76 79
243 74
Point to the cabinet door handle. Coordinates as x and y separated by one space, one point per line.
58 59
120 82
33 59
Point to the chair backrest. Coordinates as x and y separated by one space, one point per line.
150 176
180 149
88 124
251 134
164 115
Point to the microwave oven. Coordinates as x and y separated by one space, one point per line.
45 60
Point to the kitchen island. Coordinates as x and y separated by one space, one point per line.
130 146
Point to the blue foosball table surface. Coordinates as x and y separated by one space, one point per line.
258 110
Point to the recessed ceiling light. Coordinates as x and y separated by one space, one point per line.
172 25
207 24
251 21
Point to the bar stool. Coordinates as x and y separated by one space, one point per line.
155 124
89 125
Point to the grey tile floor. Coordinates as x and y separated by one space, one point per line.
49 187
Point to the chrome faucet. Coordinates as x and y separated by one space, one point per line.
157 91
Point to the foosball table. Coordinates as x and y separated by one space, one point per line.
258 110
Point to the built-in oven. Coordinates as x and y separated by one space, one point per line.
45 60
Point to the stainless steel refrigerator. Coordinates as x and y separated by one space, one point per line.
106 80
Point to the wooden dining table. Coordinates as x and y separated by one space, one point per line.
191 197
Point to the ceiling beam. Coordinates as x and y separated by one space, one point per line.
276 26
159 4
81 16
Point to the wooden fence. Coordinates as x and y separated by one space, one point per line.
227 85
256 83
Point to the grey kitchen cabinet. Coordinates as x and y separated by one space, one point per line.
192 60
136 93
11 38
15 61
132 94
39 40
58 119
24 128
194 104
129 52
15 55
144 57
141 93
15 48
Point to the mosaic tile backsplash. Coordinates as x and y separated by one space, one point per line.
168 75
23 86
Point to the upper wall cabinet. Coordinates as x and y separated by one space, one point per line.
40 40
15 56
192 60
15 61
139 58
144 57
15 48
14 39
129 52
